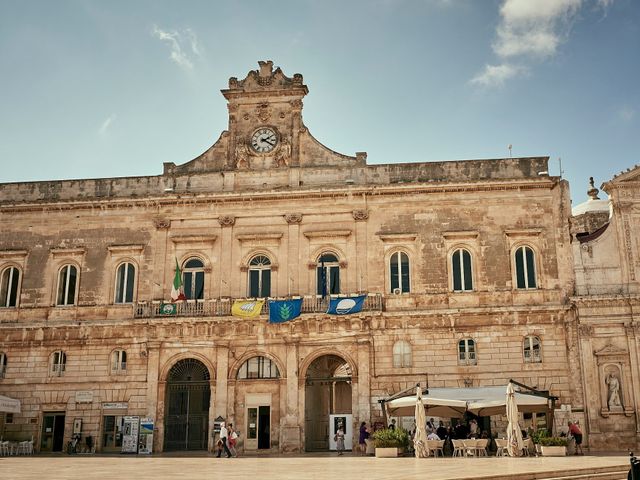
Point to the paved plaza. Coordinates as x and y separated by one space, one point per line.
298 467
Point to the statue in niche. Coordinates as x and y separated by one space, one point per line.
242 154
613 397
284 153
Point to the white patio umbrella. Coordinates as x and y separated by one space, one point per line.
514 434
420 438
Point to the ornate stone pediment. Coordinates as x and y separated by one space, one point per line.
265 79
609 351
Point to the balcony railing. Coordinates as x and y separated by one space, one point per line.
221 307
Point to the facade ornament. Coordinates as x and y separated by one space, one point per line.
246 116
232 107
283 156
242 156
613 396
282 114
292 218
263 112
161 223
296 104
585 330
360 214
593 191
226 220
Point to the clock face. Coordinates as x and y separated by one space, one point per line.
264 140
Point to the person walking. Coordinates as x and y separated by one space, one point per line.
576 433
362 439
224 434
339 437
233 440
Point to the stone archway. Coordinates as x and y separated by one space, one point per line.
187 399
327 391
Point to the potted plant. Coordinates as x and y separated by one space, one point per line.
390 442
536 436
553 446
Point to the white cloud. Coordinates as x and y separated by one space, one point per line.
496 75
106 124
183 46
626 113
529 31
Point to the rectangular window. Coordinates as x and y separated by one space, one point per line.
266 283
531 269
254 283
520 278
457 272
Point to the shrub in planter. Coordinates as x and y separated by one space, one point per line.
391 438
553 442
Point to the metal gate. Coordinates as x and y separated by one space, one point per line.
186 423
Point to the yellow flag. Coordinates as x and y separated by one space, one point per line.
247 308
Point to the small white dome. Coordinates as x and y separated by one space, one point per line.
590 206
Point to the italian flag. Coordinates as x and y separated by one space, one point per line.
177 293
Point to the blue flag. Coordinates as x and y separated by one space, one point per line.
284 310
346 306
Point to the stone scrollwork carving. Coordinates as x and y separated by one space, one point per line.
263 112
360 214
161 223
226 220
292 218
296 104
585 330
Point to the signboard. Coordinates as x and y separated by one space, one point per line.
84 396
130 434
115 405
9 405
168 309
145 439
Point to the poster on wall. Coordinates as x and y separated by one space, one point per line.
346 421
130 434
145 436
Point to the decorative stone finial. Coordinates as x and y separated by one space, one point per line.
593 191
266 68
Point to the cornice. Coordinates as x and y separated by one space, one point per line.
327 233
247 237
13 253
216 198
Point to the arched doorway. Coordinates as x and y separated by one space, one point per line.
186 420
327 391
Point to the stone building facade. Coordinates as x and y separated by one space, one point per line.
467 266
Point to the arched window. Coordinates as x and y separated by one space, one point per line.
67 285
193 279
399 272
461 269
3 364
401 354
125 281
525 268
58 363
467 351
258 367
532 351
328 274
259 277
9 285
118 361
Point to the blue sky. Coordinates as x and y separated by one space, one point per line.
116 88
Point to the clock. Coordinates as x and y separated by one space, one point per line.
264 140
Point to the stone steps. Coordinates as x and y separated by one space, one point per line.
615 472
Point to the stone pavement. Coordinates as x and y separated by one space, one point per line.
315 467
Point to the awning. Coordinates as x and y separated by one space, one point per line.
453 402
9 405
434 406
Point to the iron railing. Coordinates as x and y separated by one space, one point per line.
221 307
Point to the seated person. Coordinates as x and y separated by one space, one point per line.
433 436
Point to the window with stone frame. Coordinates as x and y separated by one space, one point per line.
125 283
67 285
467 352
118 361
58 363
399 273
9 287
525 267
402 354
328 275
259 277
3 364
258 367
532 349
193 279
461 270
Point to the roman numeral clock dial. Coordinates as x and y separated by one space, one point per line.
264 140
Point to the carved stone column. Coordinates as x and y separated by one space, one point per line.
155 409
363 411
226 252
361 216
290 425
296 130
590 379
295 269
222 373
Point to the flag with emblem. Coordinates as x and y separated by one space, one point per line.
177 292
284 310
346 306
246 308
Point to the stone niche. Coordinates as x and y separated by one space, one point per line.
614 381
